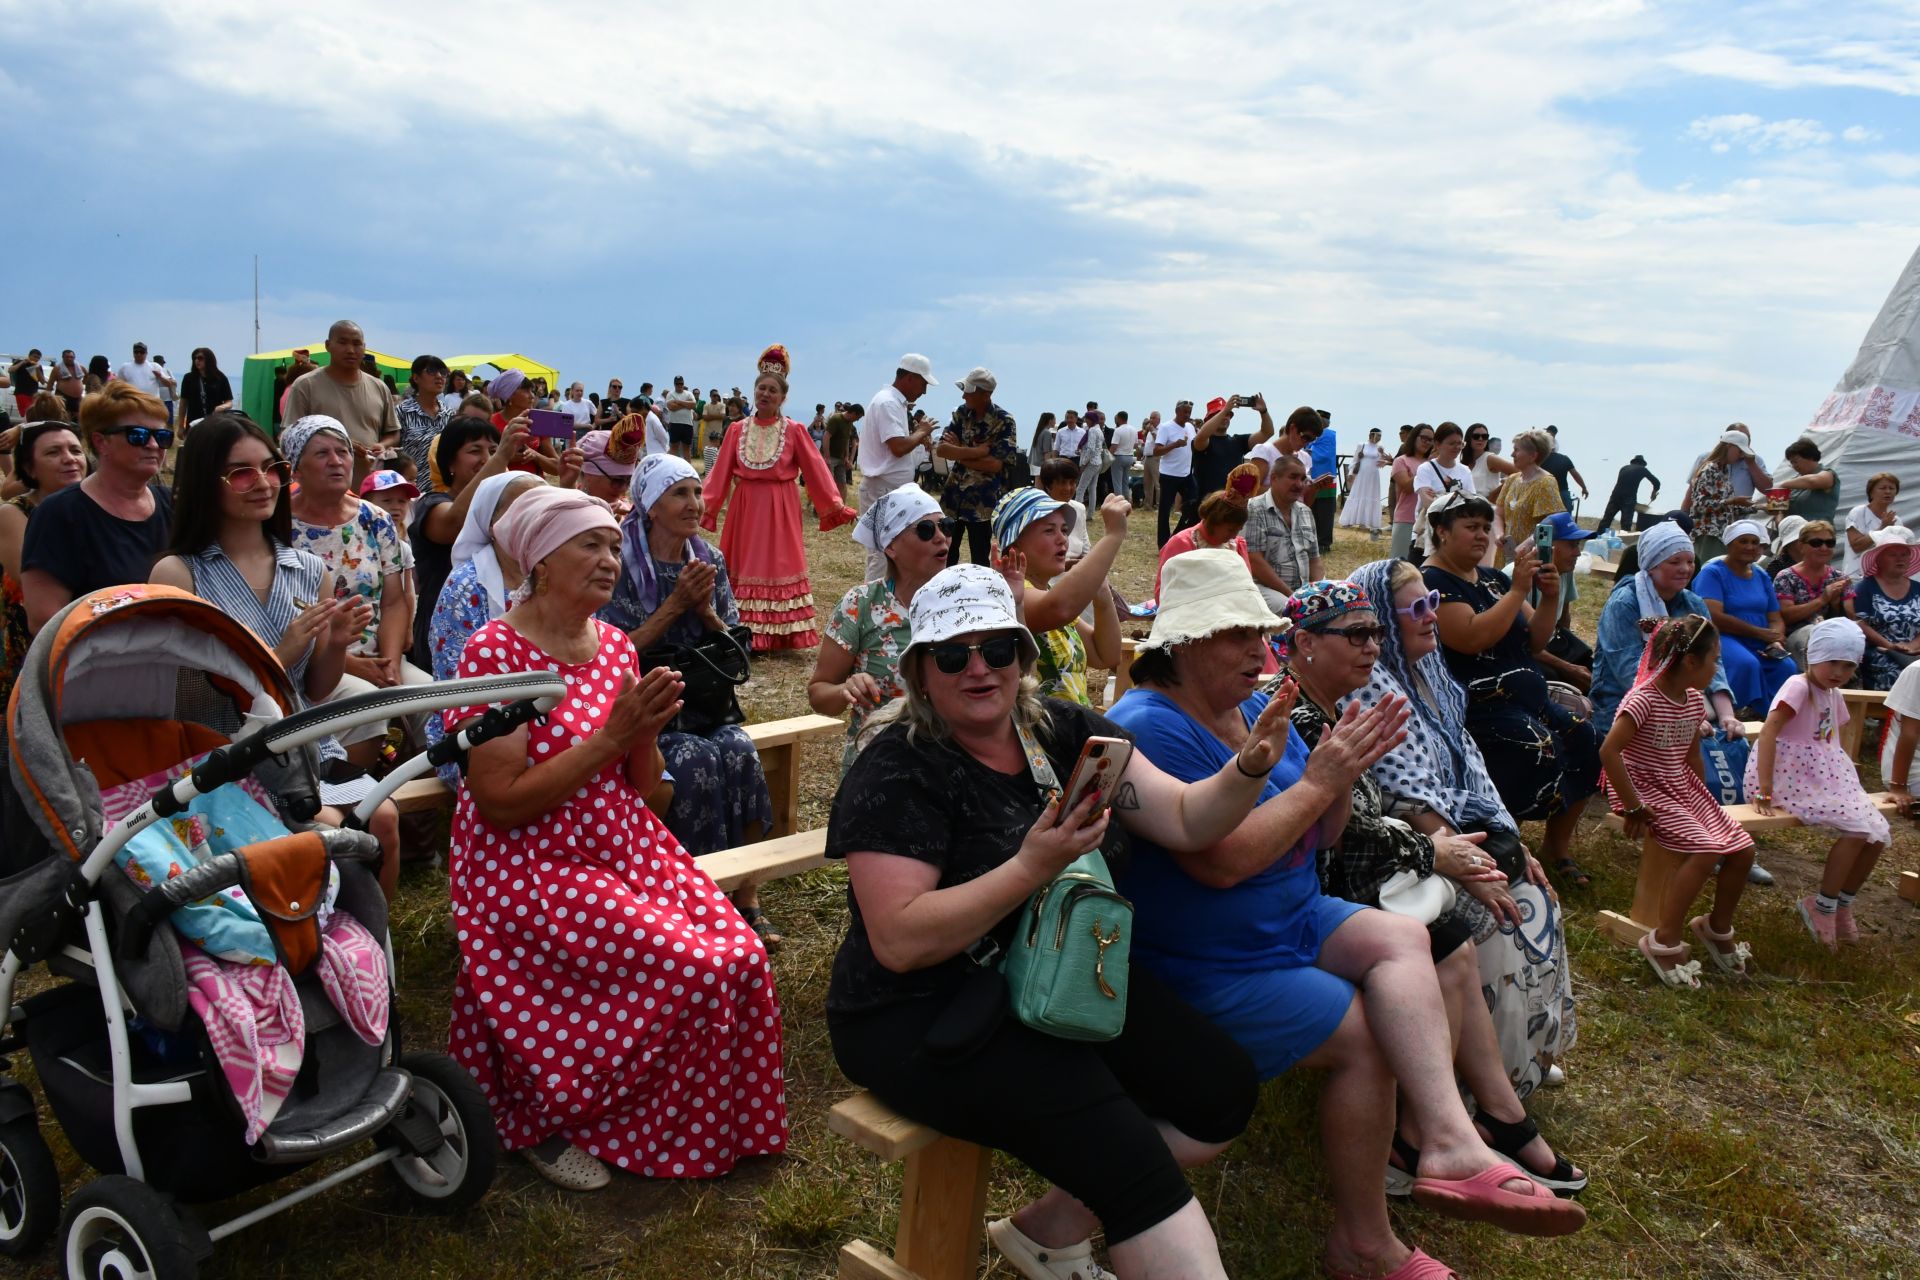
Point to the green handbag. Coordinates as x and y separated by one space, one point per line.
1066 969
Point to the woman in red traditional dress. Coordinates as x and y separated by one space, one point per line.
762 543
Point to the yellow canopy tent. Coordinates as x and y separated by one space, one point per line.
509 360
256 379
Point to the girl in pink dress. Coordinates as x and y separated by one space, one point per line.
1800 766
763 453
611 1003
1656 781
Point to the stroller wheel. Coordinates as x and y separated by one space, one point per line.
29 1188
119 1228
459 1173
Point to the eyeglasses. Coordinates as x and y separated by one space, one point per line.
951 657
1478 435
244 479
138 437
1422 608
925 531
1817 542
1359 637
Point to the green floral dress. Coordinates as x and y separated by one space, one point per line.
871 624
1062 667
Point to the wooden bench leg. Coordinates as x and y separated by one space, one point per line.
1910 886
1657 866
943 1200
781 766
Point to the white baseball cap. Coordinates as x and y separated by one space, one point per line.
979 378
919 364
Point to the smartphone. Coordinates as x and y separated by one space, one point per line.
1543 539
1102 762
550 422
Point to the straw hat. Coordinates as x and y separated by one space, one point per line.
1203 592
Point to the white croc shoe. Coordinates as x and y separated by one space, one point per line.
575 1170
1036 1262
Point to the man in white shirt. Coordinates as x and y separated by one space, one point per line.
144 374
1172 446
578 407
658 440
888 440
1126 439
681 404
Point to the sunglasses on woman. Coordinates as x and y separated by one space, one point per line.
1422 608
925 531
1359 637
139 436
1817 542
951 657
244 478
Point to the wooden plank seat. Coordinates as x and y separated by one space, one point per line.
777 741
943 1196
1657 866
773 859
1862 705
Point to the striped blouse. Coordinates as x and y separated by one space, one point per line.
296 585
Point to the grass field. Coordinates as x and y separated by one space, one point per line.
1764 1129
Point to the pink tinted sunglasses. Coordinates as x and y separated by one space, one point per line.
1422 609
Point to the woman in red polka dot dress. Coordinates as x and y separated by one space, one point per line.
611 1003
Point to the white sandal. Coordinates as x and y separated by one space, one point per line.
1686 974
575 1170
1036 1262
1734 963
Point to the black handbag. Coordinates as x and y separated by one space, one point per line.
1503 846
712 670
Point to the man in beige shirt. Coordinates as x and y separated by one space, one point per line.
343 390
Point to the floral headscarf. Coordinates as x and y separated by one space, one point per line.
1317 604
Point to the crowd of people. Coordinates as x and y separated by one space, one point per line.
1319 826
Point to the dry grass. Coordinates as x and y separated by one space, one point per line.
1761 1130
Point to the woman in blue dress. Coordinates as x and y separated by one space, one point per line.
1745 609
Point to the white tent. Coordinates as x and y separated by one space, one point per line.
1871 422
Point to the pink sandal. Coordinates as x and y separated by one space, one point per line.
1484 1198
1734 962
1421 1266
1685 974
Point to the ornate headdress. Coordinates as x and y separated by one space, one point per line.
776 361
625 443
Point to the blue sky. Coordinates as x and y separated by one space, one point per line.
1638 221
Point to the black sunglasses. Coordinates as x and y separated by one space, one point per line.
952 657
1816 542
1359 637
139 436
925 530
1478 435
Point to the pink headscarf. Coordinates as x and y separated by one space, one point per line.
545 519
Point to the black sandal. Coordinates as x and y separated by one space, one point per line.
1509 1136
1400 1176
758 922
1574 874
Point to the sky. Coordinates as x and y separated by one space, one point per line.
1638 221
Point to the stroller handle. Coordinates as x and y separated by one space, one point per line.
494 723
237 759
216 874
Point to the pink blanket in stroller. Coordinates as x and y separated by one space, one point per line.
253 1017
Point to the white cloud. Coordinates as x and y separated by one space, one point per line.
1375 197
1858 133
1723 133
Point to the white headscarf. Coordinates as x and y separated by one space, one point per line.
475 542
1657 546
657 473
892 514
1745 528
1836 640
295 439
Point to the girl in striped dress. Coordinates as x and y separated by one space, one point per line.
1656 782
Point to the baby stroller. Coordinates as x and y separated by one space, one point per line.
150 712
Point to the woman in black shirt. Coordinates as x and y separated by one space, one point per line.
947 832
205 389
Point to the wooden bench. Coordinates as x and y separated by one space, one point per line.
777 741
1909 886
1657 866
943 1196
1123 672
1862 705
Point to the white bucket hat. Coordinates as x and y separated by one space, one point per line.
964 599
1789 530
1203 592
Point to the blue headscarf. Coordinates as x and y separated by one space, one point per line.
1438 766
637 594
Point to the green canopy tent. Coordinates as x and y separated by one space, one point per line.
256 381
